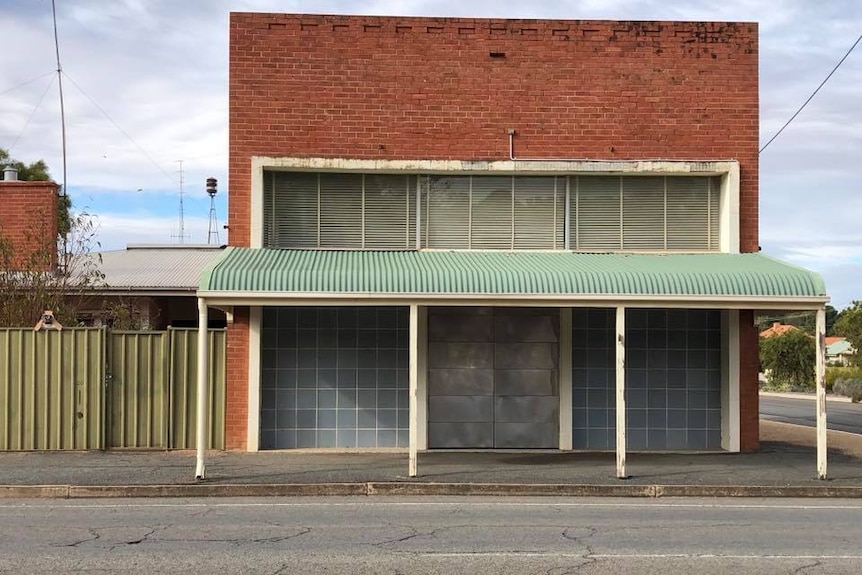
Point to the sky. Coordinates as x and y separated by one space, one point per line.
145 86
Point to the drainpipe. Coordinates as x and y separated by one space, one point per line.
200 469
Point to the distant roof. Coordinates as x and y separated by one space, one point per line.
842 347
156 267
830 339
778 328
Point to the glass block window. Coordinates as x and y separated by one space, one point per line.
334 377
673 379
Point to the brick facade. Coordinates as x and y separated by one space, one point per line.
393 88
28 221
749 391
236 405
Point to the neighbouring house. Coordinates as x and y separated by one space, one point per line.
152 286
486 234
778 328
839 351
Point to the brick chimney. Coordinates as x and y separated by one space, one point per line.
28 222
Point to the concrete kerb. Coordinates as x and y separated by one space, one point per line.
418 489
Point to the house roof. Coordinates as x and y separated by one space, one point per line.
778 328
249 272
840 347
154 267
829 340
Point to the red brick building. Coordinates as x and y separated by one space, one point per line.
547 231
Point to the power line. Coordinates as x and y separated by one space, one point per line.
30 117
22 84
814 93
121 130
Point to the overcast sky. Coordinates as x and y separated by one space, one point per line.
146 85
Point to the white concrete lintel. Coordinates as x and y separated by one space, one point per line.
419 166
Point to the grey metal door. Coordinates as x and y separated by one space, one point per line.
493 379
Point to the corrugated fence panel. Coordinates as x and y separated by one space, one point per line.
51 389
138 390
183 370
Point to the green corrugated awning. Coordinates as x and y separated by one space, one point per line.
262 272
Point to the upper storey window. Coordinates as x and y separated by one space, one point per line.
397 212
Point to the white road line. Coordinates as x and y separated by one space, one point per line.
528 554
459 504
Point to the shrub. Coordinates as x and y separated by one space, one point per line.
848 387
788 360
835 373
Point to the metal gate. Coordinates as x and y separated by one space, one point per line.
152 389
86 388
52 389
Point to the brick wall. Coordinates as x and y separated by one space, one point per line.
368 87
236 405
28 221
749 367
399 88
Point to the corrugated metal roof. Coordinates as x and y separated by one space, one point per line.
507 273
156 267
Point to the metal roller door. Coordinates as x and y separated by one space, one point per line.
493 378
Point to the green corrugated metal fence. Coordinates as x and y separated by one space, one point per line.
138 394
52 389
91 389
183 371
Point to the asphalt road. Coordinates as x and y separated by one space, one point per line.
840 415
392 535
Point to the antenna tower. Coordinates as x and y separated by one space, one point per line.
212 231
182 232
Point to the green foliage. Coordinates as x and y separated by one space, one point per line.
30 283
38 172
833 374
849 387
788 360
35 172
849 324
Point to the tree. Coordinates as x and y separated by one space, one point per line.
38 172
29 281
849 325
788 360
35 172
33 286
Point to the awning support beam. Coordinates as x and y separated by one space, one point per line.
200 467
621 392
414 390
820 343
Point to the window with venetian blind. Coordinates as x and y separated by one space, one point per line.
585 213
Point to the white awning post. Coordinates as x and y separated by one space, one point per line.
820 343
200 468
621 392
413 375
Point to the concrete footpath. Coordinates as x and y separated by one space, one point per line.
785 466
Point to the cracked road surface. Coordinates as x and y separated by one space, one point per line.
553 536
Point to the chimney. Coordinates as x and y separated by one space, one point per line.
776 325
10 174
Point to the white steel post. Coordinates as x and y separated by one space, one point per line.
821 392
414 390
621 392
200 470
